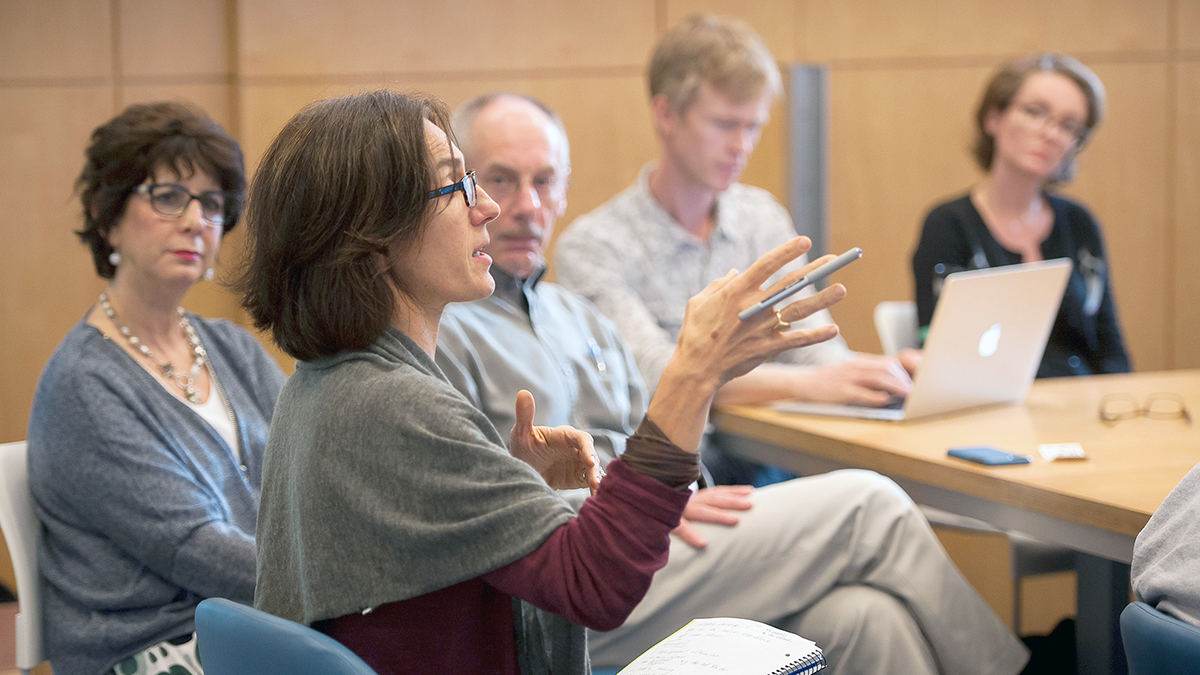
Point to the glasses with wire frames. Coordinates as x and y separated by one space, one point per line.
467 185
502 184
1161 406
172 200
1039 118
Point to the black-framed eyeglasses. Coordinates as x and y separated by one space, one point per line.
1159 406
467 185
172 200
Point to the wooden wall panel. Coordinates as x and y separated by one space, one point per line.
1185 306
363 37
214 99
775 20
1123 178
174 39
48 280
264 110
899 144
57 38
921 29
1187 25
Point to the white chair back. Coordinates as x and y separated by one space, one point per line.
22 534
896 323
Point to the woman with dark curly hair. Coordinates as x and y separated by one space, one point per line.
149 422
1035 116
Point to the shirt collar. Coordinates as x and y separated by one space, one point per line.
724 225
513 290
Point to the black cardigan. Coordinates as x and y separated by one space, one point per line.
1086 337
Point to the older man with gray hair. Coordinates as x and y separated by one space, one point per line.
844 558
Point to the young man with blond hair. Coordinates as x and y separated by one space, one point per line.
687 221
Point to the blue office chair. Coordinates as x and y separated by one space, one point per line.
1157 644
239 640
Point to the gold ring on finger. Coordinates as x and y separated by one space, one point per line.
780 324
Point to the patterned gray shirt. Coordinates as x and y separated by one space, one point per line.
638 265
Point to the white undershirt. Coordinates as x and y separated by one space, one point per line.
216 414
213 411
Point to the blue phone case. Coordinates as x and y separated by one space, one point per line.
986 454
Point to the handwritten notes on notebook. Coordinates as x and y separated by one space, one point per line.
728 647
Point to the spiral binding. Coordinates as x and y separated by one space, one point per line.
805 666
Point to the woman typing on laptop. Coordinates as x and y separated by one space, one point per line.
1035 116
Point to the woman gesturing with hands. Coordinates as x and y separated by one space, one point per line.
393 517
563 455
714 346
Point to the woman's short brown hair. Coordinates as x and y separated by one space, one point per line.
128 148
343 182
1005 84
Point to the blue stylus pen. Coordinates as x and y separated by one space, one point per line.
804 282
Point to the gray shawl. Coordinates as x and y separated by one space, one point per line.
381 483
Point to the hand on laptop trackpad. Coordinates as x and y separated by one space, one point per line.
894 402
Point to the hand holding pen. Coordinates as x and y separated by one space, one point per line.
802 283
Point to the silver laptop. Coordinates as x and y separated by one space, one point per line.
984 346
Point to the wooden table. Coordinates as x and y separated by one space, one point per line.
1096 506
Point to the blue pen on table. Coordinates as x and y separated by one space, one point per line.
804 282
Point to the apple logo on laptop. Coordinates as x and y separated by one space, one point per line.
990 341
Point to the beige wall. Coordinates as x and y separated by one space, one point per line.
904 76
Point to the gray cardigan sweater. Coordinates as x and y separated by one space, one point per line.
146 509
382 483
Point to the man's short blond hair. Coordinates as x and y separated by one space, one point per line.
723 51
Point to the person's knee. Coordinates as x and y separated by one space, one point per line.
858 611
862 629
877 494
876 485
846 495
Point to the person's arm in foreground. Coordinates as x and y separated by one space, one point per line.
594 569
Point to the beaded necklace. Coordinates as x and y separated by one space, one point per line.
185 380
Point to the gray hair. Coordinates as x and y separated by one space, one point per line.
462 121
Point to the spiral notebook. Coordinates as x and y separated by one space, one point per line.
727 647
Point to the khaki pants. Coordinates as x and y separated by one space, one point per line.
844 559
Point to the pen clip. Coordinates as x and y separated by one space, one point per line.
597 356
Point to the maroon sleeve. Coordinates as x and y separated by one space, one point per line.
595 568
